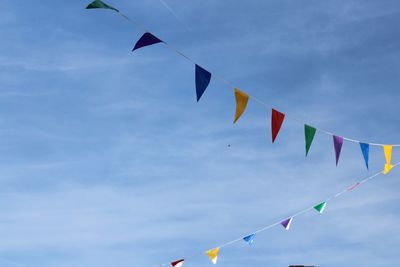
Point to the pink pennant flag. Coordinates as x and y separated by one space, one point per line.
354 186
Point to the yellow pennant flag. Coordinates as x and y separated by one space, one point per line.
213 254
388 155
241 102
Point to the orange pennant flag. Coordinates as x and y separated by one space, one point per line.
241 103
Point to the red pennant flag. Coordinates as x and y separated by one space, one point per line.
178 263
276 123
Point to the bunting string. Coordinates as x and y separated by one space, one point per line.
286 222
346 190
101 4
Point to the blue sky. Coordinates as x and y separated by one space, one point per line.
107 160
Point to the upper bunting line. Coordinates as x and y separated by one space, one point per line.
289 219
222 79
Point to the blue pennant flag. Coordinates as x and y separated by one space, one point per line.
145 40
365 151
249 239
203 78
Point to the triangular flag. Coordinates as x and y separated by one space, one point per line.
100 4
388 156
203 78
146 40
309 133
178 263
365 151
354 186
276 123
286 223
241 103
337 143
320 207
249 239
213 254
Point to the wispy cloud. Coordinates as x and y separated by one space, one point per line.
106 158
173 13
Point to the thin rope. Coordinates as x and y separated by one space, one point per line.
231 85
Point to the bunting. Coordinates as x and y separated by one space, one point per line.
337 143
213 254
241 103
249 239
309 133
320 207
146 40
286 223
203 78
276 123
100 4
365 151
178 263
388 156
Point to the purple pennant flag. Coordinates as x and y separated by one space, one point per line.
145 40
337 143
286 223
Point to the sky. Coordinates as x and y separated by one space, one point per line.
108 160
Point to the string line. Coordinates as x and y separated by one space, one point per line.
231 85
332 197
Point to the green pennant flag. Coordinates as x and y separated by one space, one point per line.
309 133
320 207
100 4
